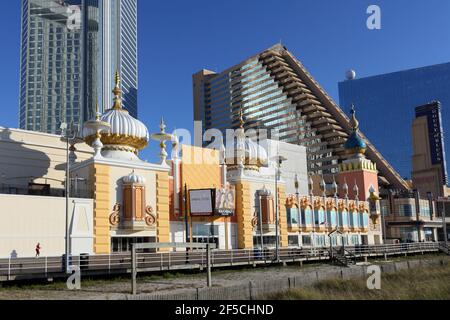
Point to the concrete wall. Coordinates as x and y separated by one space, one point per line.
296 163
27 220
27 154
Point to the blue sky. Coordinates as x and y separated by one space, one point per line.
178 38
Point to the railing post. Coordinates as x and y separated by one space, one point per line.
249 257
133 270
109 263
208 265
161 257
231 256
46 267
9 269
170 261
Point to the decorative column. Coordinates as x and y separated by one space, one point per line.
244 215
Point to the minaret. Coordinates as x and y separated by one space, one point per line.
357 167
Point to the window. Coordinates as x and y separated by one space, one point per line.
292 216
293 241
306 240
123 245
406 210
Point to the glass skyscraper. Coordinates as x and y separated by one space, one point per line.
386 108
70 51
275 92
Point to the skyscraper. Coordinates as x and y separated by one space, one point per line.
276 92
70 51
429 166
119 51
390 99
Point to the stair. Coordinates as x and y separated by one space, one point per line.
343 258
444 249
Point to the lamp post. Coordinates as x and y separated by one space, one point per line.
66 135
279 161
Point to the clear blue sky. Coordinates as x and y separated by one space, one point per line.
178 38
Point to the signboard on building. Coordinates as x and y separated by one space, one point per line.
225 201
202 202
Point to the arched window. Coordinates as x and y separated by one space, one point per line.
333 218
354 219
307 216
292 215
344 218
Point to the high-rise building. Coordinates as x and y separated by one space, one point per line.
70 51
389 99
429 166
275 91
119 51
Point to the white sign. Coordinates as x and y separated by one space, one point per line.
201 202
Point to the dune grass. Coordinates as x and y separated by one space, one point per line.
418 284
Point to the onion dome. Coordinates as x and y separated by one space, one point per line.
264 192
133 178
355 144
126 133
245 151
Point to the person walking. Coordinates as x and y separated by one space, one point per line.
38 250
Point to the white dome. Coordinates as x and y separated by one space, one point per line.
122 123
125 136
134 178
255 155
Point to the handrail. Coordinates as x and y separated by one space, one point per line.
47 266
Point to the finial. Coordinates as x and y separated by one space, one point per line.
353 121
356 191
97 114
162 126
335 187
345 188
241 118
117 93
311 185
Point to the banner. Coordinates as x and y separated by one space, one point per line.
225 201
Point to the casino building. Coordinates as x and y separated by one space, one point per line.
233 197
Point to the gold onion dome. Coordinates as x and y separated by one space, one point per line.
355 144
126 133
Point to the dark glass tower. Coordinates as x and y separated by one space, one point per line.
386 105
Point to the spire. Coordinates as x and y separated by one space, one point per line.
356 191
355 145
345 188
97 114
162 126
353 121
335 187
241 118
117 93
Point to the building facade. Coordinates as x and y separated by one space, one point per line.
133 201
66 48
276 93
429 159
397 94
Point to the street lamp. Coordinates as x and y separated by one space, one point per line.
65 134
279 161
